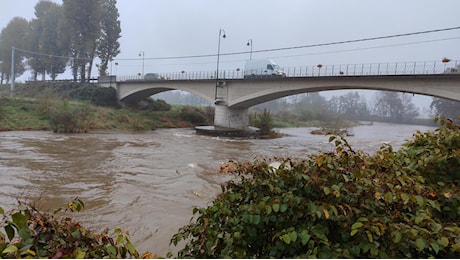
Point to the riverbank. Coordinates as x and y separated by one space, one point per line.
26 114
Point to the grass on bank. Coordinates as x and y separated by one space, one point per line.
77 107
18 114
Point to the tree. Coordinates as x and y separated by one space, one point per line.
264 122
48 38
13 35
446 108
83 20
351 105
312 106
108 46
395 107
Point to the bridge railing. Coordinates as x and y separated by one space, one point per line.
366 69
395 68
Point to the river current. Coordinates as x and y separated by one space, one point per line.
147 183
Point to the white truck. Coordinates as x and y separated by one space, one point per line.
262 68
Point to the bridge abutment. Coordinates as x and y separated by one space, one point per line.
231 117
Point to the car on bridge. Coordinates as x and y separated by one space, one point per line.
262 68
152 76
453 69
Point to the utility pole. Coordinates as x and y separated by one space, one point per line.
12 73
218 53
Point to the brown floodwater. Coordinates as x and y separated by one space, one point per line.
147 183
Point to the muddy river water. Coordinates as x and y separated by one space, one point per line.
147 183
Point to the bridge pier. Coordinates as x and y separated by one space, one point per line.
236 118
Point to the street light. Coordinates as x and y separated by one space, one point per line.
221 34
141 53
250 44
12 73
116 68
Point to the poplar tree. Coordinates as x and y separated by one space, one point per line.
446 108
48 38
108 46
13 35
83 20
395 107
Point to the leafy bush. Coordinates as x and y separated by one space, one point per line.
68 119
100 96
105 97
194 115
342 204
31 233
264 122
149 104
436 155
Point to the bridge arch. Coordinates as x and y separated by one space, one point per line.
272 90
234 96
134 91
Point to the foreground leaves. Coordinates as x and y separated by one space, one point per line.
31 233
345 204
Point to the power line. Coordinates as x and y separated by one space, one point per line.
50 55
256 51
301 47
361 40
370 48
324 52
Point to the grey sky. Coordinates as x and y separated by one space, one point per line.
165 28
180 28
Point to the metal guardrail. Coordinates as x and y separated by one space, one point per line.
367 69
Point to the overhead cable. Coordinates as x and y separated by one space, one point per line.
300 47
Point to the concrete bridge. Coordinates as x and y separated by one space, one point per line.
233 95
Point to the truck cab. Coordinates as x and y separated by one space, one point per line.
262 68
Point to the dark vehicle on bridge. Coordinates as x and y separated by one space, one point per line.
453 70
152 76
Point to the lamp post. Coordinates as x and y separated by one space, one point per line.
250 44
12 73
116 68
221 34
141 53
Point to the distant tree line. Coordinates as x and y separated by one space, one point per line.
387 106
182 98
69 35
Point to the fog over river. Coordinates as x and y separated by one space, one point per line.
148 183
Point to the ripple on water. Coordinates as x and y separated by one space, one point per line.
148 182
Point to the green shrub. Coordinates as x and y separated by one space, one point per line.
264 122
100 96
106 97
436 155
30 233
71 119
194 115
342 204
149 104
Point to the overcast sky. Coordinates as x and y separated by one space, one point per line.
171 28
